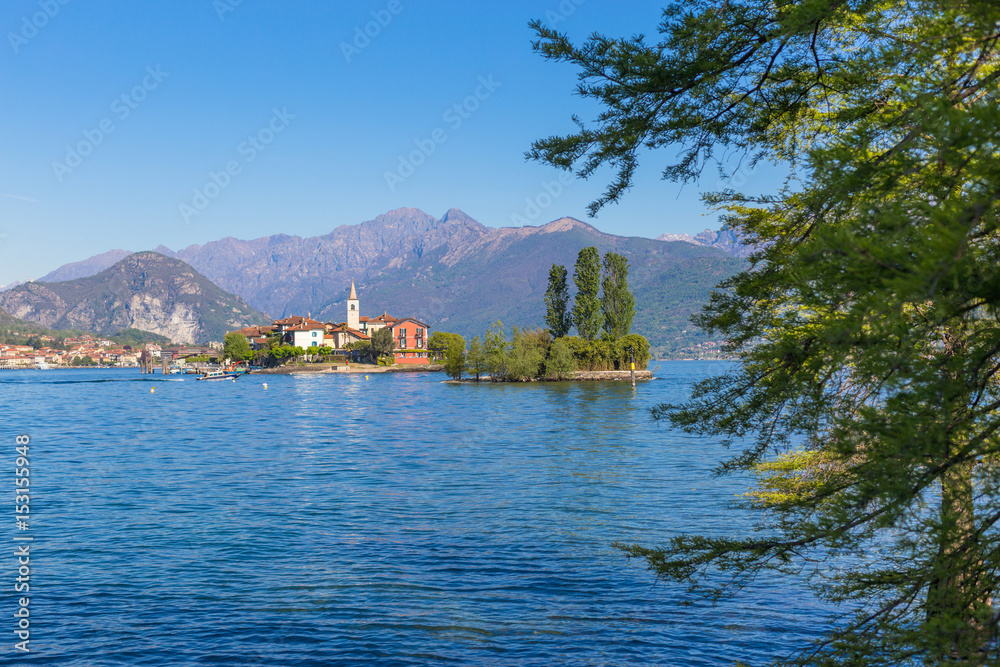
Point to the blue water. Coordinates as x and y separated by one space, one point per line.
396 520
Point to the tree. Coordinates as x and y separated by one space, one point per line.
382 342
440 341
587 307
362 347
454 362
560 364
866 330
557 316
475 360
617 302
236 347
527 354
263 357
283 352
496 352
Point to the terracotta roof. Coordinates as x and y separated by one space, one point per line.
251 332
309 325
343 328
294 320
403 320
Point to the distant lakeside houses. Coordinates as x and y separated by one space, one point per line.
409 334
100 351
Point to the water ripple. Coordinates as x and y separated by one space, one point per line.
397 521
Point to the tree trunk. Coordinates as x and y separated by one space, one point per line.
959 605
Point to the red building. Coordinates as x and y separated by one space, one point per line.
411 341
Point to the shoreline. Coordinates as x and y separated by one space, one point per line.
578 376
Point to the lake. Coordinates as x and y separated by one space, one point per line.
393 520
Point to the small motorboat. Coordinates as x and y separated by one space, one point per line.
219 375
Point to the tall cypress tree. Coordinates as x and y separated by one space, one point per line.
587 307
617 302
557 316
866 399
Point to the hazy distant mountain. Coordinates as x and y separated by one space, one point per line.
285 275
86 268
503 275
146 291
454 272
4 288
725 240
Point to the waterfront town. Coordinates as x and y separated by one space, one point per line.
409 336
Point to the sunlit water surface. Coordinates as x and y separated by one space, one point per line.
392 520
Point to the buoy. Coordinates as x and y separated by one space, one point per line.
265 385
366 377
152 390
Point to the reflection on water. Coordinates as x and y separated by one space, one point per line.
395 520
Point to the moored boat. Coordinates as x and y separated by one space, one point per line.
219 375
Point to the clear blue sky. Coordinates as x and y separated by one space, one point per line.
154 97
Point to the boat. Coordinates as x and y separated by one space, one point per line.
219 375
42 366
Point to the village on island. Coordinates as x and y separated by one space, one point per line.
409 336
345 340
602 312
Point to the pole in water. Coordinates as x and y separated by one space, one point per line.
631 351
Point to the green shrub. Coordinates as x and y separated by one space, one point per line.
454 362
560 364
608 354
527 354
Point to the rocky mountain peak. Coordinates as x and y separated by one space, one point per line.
725 240
568 224
146 290
458 216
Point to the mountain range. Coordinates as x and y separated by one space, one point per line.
146 291
452 272
725 240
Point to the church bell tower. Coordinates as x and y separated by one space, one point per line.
353 309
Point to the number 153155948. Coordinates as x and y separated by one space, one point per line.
22 474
